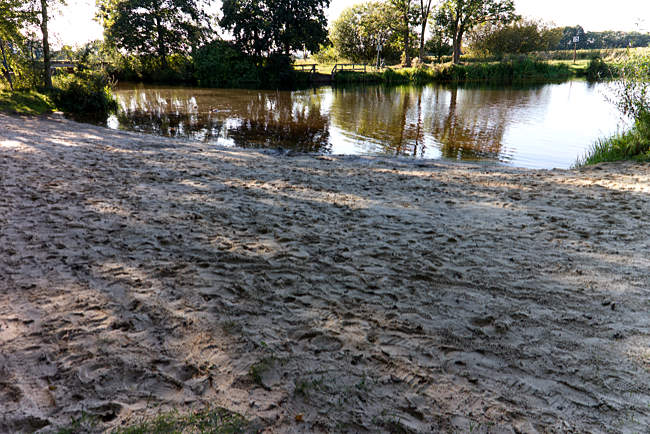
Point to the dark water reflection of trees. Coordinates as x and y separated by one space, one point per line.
245 119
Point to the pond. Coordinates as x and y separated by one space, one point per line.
545 126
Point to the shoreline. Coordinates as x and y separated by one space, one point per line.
362 293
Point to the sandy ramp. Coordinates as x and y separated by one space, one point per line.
365 294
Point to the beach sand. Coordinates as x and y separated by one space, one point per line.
316 293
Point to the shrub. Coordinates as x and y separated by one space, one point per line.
630 92
177 68
598 70
278 72
220 64
86 95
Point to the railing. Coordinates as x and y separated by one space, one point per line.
308 67
62 64
353 67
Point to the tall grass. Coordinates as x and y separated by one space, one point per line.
631 145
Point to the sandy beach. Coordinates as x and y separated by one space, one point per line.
316 293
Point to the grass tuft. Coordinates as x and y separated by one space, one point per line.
632 145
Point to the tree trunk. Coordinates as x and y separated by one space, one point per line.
423 29
162 49
46 46
6 64
407 41
426 11
458 43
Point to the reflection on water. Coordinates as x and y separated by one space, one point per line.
543 126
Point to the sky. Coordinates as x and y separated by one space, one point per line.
74 25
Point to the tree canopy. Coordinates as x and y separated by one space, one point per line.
359 28
459 17
154 27
519 37
264 27
601 40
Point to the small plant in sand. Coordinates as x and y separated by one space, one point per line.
304 386
257 370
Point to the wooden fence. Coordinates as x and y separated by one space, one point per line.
353 67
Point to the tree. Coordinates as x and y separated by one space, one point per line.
461 16
265 27
298 25
154 27
46 44
425 13
438 45
567 38
519 37
37 12
358 30
10 18
405 8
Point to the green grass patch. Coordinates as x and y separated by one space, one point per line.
632 145
25 103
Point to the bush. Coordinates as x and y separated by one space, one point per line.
598 70
177 68
220 64
631 90
278 72
86 95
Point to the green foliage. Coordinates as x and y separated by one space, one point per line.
25 103
519 37
13 17
278 72
601 40
598 70
458 17
359 28
154 27
327 55
631 91
408 16
438 45
220 64
86 95
264 27
174 69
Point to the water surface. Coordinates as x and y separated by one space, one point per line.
538 127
